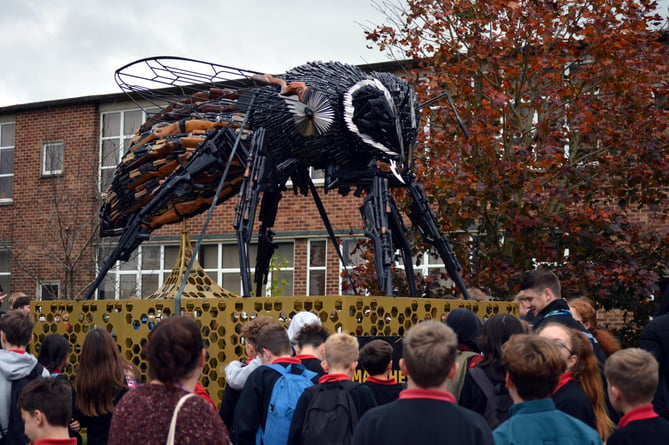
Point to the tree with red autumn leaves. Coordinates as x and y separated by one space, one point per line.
567 159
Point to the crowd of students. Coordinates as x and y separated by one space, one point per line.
505 381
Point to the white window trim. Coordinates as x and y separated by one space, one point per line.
311 268
45 168
120 269
40 288
8 147
123 136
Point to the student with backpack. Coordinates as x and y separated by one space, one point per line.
328 413
425 413
237 372
269 397
484 390
17 369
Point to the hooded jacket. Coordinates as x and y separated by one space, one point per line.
13 366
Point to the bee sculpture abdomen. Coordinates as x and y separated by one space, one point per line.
163 145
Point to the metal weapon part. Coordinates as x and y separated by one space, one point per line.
224 132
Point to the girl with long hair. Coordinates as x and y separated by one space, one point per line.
99 384
580 391
489 372
176 357
583 311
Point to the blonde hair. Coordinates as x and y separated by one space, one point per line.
634 372
428 351
341 351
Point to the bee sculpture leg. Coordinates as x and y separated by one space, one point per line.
374 212
266 246
247 205
423 218
399 233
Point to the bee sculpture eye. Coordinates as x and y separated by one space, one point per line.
314 115
370 112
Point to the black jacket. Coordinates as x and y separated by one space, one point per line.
655 339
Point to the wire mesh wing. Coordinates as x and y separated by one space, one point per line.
159 81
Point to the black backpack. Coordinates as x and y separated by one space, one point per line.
331 415
13 434
497 404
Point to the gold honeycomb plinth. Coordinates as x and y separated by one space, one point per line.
221 319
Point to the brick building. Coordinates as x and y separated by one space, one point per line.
55 159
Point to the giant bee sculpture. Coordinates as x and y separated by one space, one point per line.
223 132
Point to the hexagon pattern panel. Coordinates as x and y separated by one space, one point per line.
129 322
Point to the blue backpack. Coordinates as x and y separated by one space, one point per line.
285 394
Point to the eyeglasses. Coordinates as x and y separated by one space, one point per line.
563 346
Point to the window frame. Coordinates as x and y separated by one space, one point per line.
122 139
43 285
134 268
45 146
3 150
322 268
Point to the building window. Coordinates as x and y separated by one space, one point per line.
140 276
149 266
48 290
221 262
316 269
353 251
430 264
117 128
425 263
4 271
7 161
52 158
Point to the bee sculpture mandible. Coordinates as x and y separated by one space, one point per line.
223 132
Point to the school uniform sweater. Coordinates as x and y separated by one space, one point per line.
312 363
384 390
570 398
252 406
641 426
362 397
423 417
539 422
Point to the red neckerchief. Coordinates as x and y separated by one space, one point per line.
390 381
564 379
18 351
419 393
333 378
306 356
56 371
644 412
474 360
292 360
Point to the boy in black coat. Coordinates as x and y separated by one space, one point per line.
341 360
632 376
425 413
376 357
251 412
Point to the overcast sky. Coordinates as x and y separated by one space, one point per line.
54 49
57 49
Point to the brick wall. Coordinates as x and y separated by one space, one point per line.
44 223
47 210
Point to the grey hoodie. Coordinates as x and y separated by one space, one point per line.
13 366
